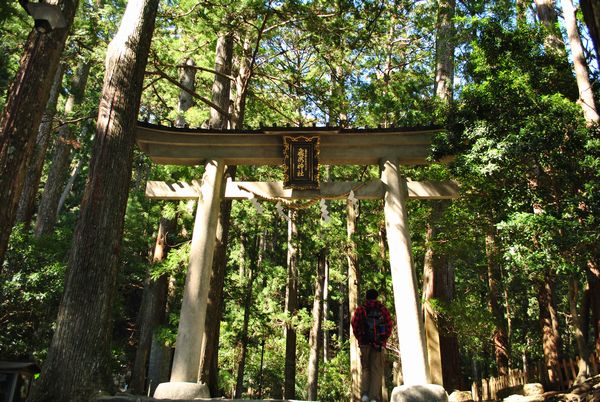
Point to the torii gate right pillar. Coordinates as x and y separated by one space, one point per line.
411 333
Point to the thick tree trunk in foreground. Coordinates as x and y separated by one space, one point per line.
210 348
586 93
34 172
291 304
152 309
78 359
353 295
549 327
22 114
61 159
591 15
314 339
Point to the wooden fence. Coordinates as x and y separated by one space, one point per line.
496 388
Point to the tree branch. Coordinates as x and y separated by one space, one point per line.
173 81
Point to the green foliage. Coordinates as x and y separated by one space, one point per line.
31 285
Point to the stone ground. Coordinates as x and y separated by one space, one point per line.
135 398
588 391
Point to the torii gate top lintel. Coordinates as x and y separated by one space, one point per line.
264 146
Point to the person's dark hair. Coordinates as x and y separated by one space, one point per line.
371 294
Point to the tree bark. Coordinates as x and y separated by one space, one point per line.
291 304
61 159
444 50
432 265
353 294
241 86
152 308
255 263
549 19
591 15
222 85
32 181
549 327
493 270
326 312
593 278
22 114
586 93
521 7
583 364
69 186
77 365
314 339
210 348
187 79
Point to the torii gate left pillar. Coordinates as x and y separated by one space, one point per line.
191 329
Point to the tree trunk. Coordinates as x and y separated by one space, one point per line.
34 172
61 159
549 19
591 15
326 312
315 332
152 308
435 264
444 50
187 79
78 359
521 7
255 264
432 265
291 304
586 93
210 347
493 271
353 294
222 85
549 326
22 114
67 190
583 363
241 86
593 278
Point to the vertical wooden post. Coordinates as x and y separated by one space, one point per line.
406 302
190 333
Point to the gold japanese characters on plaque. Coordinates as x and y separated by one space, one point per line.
301 162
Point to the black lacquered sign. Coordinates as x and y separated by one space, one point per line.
301 162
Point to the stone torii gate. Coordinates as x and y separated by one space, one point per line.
386 147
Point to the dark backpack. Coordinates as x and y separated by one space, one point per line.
375 326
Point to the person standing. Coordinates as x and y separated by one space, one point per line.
372 325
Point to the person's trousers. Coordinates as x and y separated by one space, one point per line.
371 362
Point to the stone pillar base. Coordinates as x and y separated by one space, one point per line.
181 390
419 393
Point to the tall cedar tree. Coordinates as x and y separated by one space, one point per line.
23 113
220 96
78 359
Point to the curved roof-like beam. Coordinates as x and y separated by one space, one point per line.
175 146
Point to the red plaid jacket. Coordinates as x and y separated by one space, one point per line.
358 320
